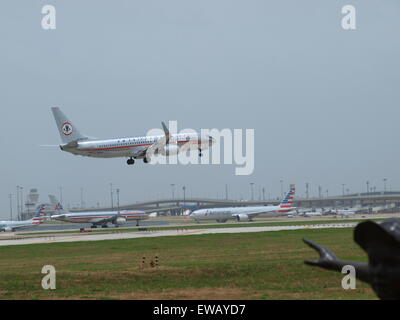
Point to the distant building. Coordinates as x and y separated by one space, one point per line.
31 203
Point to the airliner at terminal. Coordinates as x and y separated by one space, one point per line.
131 147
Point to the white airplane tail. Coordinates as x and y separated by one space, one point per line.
68 131
58 209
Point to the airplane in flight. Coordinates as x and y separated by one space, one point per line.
99 218
131 147
37 219
244 213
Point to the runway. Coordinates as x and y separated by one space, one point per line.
116 235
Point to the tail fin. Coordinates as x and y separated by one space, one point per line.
68 132
287 202
40 215
59 209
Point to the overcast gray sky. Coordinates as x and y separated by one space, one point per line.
324 102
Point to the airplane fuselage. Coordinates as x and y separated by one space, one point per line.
92 217
133 146
229 212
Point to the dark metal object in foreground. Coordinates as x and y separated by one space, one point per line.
381 242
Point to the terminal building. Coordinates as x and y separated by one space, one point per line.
30 204
371 202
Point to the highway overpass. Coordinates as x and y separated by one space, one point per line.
176 206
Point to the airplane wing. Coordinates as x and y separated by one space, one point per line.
102 220
259 211
140 151
266 210
255 212
21 226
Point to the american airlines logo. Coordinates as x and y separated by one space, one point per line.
66 128
236 146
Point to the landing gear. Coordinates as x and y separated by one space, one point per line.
130 161
145 160
200 154
104 226
93 226
137 223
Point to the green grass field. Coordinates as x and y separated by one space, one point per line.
262 265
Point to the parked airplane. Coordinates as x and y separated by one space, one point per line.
307 212
131 147
38 218
349 211
244 213
311 214
345 212
101 217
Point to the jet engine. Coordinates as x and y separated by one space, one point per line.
170 150
120 220
242 217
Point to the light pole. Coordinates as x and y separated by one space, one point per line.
226 192
17 202
81 197
61 199
22 202
367 187
343 188
252 191
384 185
112 195
10 195
307 190
263 191
184 194
281 188
173 190
118 200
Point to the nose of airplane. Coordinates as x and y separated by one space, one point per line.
193 215
57 217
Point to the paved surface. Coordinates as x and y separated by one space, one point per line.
88 236
77 226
